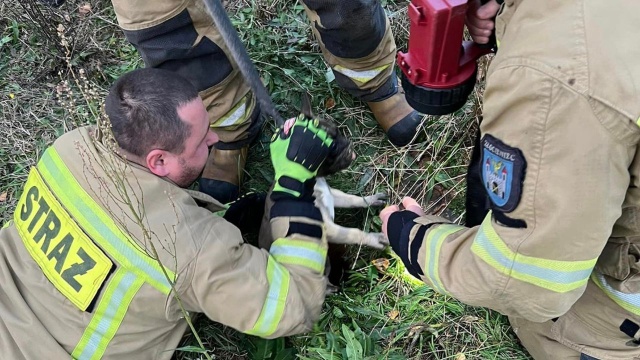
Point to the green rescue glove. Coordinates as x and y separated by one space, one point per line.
297 151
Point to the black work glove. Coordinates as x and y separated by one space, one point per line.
399 226
246 212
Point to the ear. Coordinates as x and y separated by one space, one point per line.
157 162
306 106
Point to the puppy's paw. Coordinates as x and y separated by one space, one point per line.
377 240
331 289
378 199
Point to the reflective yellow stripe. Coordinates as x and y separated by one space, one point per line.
629 302
638 121
555 275
135 266
435 237
273 308
304 253
361 76
99 225
108 315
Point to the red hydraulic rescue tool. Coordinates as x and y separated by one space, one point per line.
439 69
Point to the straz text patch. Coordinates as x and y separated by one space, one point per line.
66 255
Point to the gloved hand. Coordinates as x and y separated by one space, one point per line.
297 151
396 224
246 212
393 217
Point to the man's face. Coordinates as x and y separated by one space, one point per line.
194 157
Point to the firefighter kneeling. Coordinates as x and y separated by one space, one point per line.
107 252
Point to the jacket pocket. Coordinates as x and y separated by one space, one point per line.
619 260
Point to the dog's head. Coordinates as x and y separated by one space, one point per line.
341 155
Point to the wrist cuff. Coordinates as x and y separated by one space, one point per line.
396 225
288 187
284 207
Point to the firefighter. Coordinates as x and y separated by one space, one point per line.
356 41
552 236
107 251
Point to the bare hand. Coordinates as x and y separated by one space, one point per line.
479 20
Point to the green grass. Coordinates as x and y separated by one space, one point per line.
380 313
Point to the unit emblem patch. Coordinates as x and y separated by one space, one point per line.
503 171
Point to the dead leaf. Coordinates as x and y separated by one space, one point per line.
381 264
393 314
84 9
415 329
421 327
468 319
3 197
461 356
329 103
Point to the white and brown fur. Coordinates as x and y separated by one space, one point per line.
328 199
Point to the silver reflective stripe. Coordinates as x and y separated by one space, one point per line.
628 301
235 116
361 76
108 315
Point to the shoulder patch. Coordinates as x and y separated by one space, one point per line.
503 172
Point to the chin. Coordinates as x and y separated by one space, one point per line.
186 181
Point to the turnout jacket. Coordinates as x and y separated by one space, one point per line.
558 169
101 253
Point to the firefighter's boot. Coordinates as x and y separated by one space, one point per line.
397 118
223 173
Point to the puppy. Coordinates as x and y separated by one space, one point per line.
328 199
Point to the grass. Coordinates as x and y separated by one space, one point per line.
380 312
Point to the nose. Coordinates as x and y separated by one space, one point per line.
212 138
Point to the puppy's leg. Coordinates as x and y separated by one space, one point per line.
337 234
344 200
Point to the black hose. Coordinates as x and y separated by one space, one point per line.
239 54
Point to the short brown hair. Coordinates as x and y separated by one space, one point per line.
142 106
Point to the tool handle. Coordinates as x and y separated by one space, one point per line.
239 54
